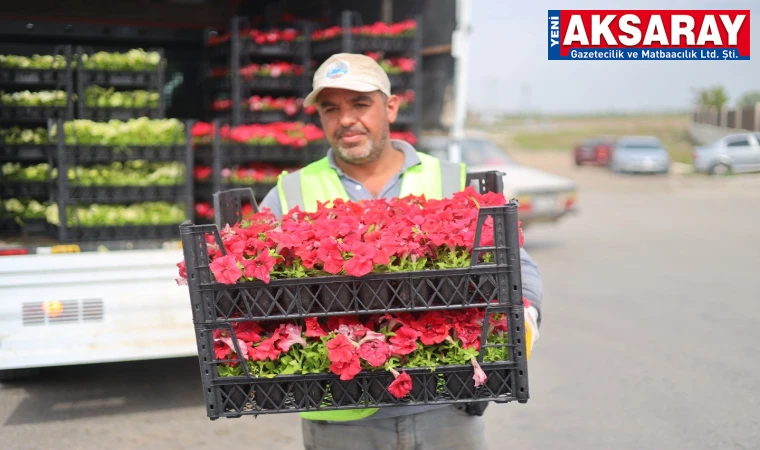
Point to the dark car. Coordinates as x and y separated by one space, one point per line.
595 151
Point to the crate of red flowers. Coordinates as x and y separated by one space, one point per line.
358 305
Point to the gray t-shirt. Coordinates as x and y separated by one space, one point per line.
531 278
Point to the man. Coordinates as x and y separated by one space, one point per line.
356 107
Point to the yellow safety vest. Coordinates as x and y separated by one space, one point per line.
318 181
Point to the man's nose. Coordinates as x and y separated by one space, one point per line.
347 117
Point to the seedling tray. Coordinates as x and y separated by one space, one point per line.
74 232
31 76
31 113
30 153
105 114
103 153
125 194
120 78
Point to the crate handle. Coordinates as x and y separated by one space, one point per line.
228 205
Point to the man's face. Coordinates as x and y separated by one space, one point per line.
356 124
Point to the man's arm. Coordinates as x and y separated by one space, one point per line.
532 284
272 201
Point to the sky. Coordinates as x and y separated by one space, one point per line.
510 71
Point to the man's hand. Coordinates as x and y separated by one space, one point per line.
531 328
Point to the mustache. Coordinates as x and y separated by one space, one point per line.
341 131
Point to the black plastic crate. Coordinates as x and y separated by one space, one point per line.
260 83
73 233
32 76
493 287
401 80
281 83
248 116
327 47
125 194
237 396
30 153
9 226
106 114
31 113
285 50
382 44
37 190
240 154
361 44
204 190
120 78
405 117
233 154
104 153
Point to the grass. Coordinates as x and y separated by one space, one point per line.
563 133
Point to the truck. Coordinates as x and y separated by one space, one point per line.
70 299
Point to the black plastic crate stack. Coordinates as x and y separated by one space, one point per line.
28 153
495 287
221 154
239 51
233 54
71 193
118 80
408 119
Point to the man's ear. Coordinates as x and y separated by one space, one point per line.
391 107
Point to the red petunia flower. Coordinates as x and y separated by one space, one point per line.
289 334
347 370
340 349
313 328
479 376
225 269
432 327
362 261
375 352
182 280
353 332
261 267
248 331
267 349
401 386
227 347
330 255
405 341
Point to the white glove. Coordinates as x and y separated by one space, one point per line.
531 328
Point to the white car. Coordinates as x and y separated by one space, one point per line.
543 197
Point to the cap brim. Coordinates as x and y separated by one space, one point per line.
349 85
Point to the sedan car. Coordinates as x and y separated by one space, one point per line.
639 154
594 151
735 153
543 197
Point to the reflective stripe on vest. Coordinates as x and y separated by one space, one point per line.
318 181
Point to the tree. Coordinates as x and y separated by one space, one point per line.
711 97
748 99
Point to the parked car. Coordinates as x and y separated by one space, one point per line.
639 154
594 151
543 197
734 153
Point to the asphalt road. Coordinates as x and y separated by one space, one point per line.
651 313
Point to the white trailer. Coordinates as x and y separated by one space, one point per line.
91 307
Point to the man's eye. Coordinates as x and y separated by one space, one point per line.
328 110
362 105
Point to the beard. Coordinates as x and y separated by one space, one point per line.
367 151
